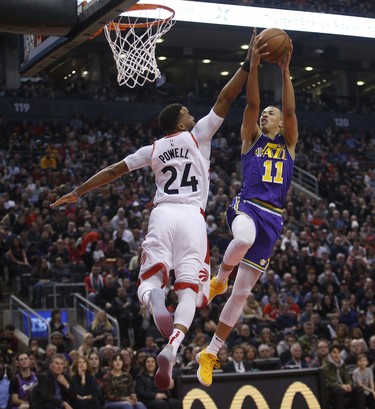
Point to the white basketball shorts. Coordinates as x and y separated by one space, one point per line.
177 237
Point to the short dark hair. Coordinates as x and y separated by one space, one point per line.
114 357
58 356
21 353
334 346
235 347
360 356
168 117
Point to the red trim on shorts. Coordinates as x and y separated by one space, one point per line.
204 304
183 286
203 213
195 141
153 270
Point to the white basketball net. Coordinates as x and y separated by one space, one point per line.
133 38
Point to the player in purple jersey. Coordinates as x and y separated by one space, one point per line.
267 155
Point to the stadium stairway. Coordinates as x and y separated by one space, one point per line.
6 292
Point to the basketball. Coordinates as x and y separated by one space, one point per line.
278 44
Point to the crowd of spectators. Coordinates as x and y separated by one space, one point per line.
317 294
318 290
83 88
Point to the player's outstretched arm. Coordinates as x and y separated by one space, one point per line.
290 123
101 178
249 127
233 87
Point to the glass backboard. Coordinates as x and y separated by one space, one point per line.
38 52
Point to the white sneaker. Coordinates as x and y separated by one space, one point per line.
162 318
166 361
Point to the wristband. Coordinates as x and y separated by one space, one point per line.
76 194
246 65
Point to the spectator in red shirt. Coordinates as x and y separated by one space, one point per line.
272 309
293 308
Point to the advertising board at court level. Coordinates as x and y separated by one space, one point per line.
295 389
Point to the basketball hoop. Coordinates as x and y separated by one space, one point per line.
133 38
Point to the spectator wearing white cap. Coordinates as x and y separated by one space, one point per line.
136 210
119 216
290 238
123 232
211 225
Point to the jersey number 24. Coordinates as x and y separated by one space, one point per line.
193 182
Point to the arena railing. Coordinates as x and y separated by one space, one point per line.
84 314
61 293
306 181
27 320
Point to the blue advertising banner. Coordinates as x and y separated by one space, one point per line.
38 327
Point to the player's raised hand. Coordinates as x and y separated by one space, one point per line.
258 51
284 64
251 43
71 197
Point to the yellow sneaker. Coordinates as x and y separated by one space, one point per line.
217 288
207 363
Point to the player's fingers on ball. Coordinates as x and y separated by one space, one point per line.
257 38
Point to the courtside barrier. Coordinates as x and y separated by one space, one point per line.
288 389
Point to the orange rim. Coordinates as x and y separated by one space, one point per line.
125 26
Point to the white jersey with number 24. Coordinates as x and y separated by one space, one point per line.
180 163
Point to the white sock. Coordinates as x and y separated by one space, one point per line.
215 345
146 286
222 275
185 310
175 340
245 280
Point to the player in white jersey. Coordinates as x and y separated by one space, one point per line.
176 237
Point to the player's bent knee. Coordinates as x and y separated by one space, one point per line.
180 286
242 243
158 270
240 297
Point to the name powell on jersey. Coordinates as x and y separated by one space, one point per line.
174 153
203 275
272 151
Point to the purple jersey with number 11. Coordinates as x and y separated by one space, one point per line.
267 169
